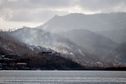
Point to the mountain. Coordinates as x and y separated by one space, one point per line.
11 45
84 30
117 35
16 55
96 22
38 37
110 25
121 53
69 50
69 42
91 41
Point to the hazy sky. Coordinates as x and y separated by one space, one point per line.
18 13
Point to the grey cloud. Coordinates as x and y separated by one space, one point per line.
27 10
38 3
41 10
32 15
89 4
104 5
53 3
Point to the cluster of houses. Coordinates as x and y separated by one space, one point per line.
12 62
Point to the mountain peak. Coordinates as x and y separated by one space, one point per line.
76 14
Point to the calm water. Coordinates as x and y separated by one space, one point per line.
62 77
